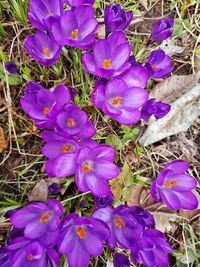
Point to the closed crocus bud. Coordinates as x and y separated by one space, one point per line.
162 30
11 67
116 18
159 64
104 202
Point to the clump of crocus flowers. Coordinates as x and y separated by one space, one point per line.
41 232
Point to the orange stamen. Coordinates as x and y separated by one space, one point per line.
44 218
107 63
65 149
154 66
50 14
86 168
119 222
30 257
116 101
81 232
45 111
46 51
74 34
170 184
70 122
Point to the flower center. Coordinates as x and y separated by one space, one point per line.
30 257
46 51
50 14
45 111
116 101
74 34
70 122
65 149
154 66
86 167
119 223
81 232
45 218
107 63
171 183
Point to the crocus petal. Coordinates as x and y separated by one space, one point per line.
178 166
89 241
121 55
22 217
34 229
98 187
135 97
62 95
184 182
105 152
80 181
65 165
79 257
67 241
89 62
170 199
129 116
106 170
188 200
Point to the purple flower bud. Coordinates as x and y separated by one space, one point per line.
109 57
120 260
11 67
75 3
162 30
158 109
76 28
116 18
142 216
54 189
43 48
33 87
174 187
158 64
73 92
82 236
133 61
104 202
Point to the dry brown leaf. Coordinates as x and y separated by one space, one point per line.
174 87
3 141
144 3
135 195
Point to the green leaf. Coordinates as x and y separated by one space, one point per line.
138 150
179 27
14 80
114 141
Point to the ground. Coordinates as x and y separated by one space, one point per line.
21 164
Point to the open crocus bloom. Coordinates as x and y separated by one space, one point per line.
44 12
76 28
80 238
174 187
109 57
119 101
75 3
43 48
151 249
162 29
38 218
124 228
42 105
158 64
95 168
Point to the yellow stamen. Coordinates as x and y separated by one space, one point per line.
65 149
170 184
81 232
30 257
116 101
119 222
86 168
74 34
45 111
70 122
154 66
46 51
107 63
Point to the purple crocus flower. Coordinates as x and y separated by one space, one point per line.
158 64
54 188
109 57
33 87
11 67
38 218
124 228
43 48
157 108
133 61
174 186
116 18
104 202
76 28
142 216
80 238
95 168
119 101
120 260
44 12
75 3
72 121
42 105
25 252
151 249
162 30
4 257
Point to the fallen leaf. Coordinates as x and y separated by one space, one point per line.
183 112
3 141
144 3
135 195
174 87
170 47
163 221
